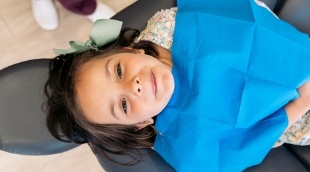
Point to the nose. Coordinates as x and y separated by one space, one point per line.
136 86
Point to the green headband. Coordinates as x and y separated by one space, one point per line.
103 32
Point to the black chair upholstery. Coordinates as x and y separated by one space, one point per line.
296 12
279 159
137 14
302 153
22 122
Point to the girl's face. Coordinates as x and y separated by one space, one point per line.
125 88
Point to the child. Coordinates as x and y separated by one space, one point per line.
222 103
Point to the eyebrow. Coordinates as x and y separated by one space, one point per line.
107 72
113 110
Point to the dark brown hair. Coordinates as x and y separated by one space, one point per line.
65 118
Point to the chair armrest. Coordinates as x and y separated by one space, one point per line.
151 162
297 13
302 153
279 159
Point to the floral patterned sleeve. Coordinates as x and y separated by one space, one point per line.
159 29
298 133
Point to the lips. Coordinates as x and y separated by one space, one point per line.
153 80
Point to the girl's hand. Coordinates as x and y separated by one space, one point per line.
297 108
304 97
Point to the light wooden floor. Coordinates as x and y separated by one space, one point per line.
21 39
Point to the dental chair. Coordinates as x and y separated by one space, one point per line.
22 122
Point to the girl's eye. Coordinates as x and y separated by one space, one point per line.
119 71
124 105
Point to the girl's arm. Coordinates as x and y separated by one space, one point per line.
295 109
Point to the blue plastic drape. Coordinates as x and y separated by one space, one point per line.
235 67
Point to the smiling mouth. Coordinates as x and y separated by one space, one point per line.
153 80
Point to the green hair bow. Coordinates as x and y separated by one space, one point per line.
103 32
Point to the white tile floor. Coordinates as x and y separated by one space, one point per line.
21 39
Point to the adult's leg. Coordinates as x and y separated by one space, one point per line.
83 7
91 8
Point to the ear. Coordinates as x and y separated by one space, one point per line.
145 123
138 51
128 48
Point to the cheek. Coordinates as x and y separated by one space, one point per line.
144 110
148 61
